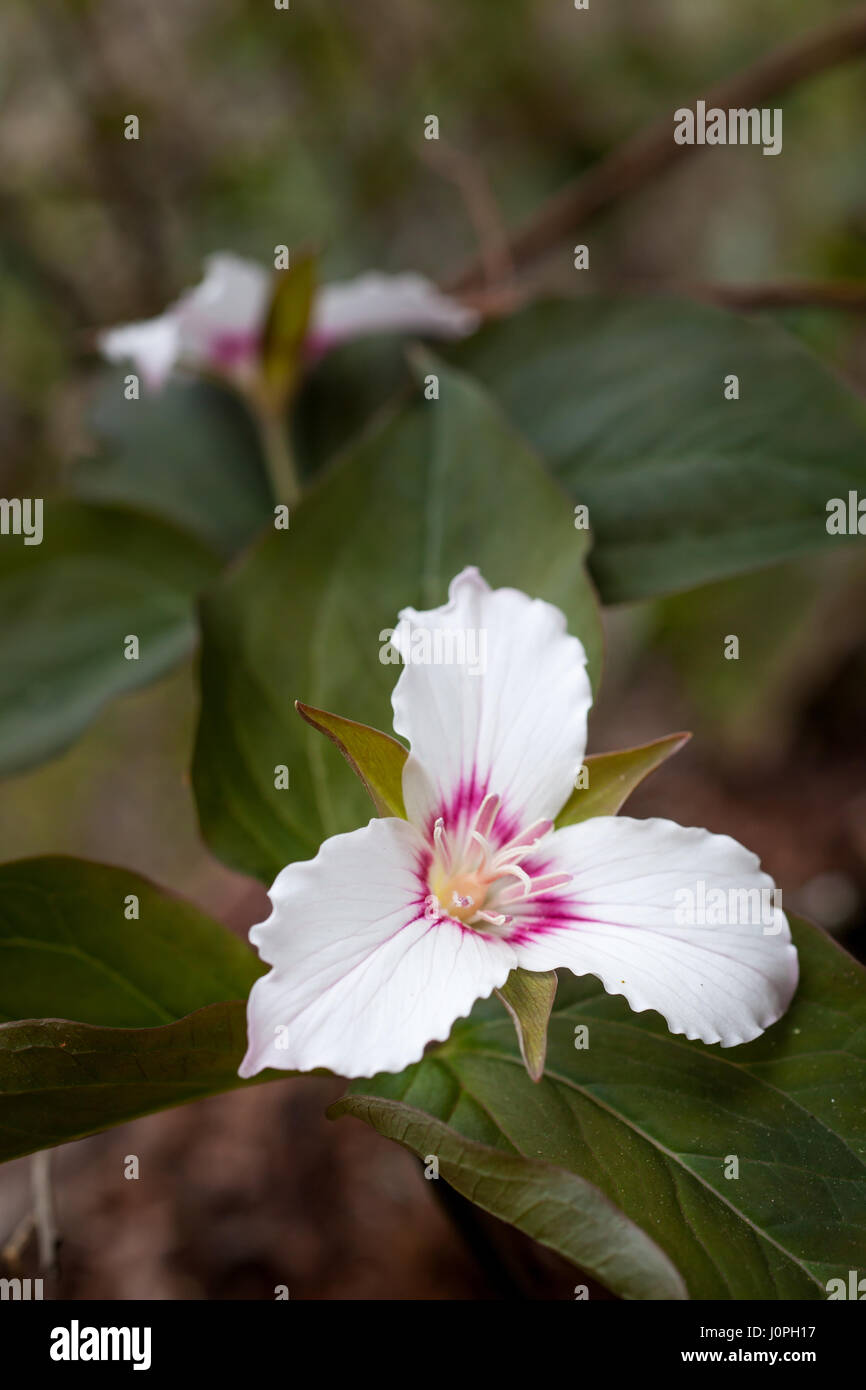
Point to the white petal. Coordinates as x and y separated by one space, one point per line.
361 982
376 303
152 345
220 321
622 920
509 718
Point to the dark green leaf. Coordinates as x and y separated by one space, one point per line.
69 950
361 375
66 608
624 399
62 1081
549 1203
188 453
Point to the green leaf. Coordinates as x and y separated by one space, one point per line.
624 399
114 1016
375 757
286 329
435 486
549 1203
791 645
62 1081
66 608
361 375
612 777
528 996
68 950
188 454
653 1121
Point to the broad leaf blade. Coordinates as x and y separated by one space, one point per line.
612 777
188 453
67 607
655 1121
528 996
61 1081
435 487
150 1026
550 1204
68 950
624 399
375 757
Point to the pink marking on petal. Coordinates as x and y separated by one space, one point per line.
316 345
487 814
543 918
228 351
538 888
465 804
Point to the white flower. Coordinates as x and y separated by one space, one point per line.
375 303
218 325
215 326
394 931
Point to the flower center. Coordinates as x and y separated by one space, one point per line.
463 896
476 881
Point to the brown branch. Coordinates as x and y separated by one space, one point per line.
469 178
652 150
784 294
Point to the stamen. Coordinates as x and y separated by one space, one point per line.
516 871
441 841
548 883
531 835
487 813
496 919
484 845
512 854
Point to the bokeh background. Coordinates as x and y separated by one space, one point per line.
306 127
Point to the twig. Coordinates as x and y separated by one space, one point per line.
637 160
43 1210
469 178
790 294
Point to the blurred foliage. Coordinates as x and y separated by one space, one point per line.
261 126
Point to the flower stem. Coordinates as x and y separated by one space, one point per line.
43 1210
277 453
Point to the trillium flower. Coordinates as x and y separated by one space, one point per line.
376 303
218 325
393 931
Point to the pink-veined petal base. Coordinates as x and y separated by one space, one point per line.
361 980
